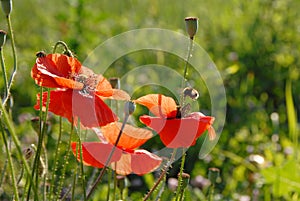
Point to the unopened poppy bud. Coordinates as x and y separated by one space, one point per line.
6 6
213 175
191 24
115 82
129 107
2 38
192 93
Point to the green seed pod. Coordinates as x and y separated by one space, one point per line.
6 6
191 24
121 182
213 175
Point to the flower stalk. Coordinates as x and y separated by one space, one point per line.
191 28
10 164
128 110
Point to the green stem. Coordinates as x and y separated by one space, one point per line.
162 175
10 164
42 130
179 191
74 183
4 77
81 161
66 158
186 71
16 141
183 83
109 157
57 151
12 76
62 43
211 193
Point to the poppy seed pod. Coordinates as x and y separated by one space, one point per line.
2 38
192 93
129 107
191 24
121 182
213 175
6 6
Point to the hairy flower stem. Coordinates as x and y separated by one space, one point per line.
81 162
109 157
179 191
185 72
57 151
10 164
62 43
162 175
41 134
64 166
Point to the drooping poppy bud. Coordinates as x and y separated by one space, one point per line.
6 6
191 24
2 38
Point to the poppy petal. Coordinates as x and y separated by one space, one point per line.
159 105
143 162
182 132
91 111
96 153
131 137
54 70
138 162
123 166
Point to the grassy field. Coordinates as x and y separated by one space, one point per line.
254 45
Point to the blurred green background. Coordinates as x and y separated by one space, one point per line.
255 45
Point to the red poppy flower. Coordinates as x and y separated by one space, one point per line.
174 131
129 161
80 91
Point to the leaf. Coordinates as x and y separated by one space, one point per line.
284 179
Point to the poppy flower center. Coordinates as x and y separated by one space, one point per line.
89 83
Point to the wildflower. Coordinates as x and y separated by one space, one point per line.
126 158
80 92
174 129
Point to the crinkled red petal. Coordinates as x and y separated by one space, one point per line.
138 162
175 133
96 153
91 111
